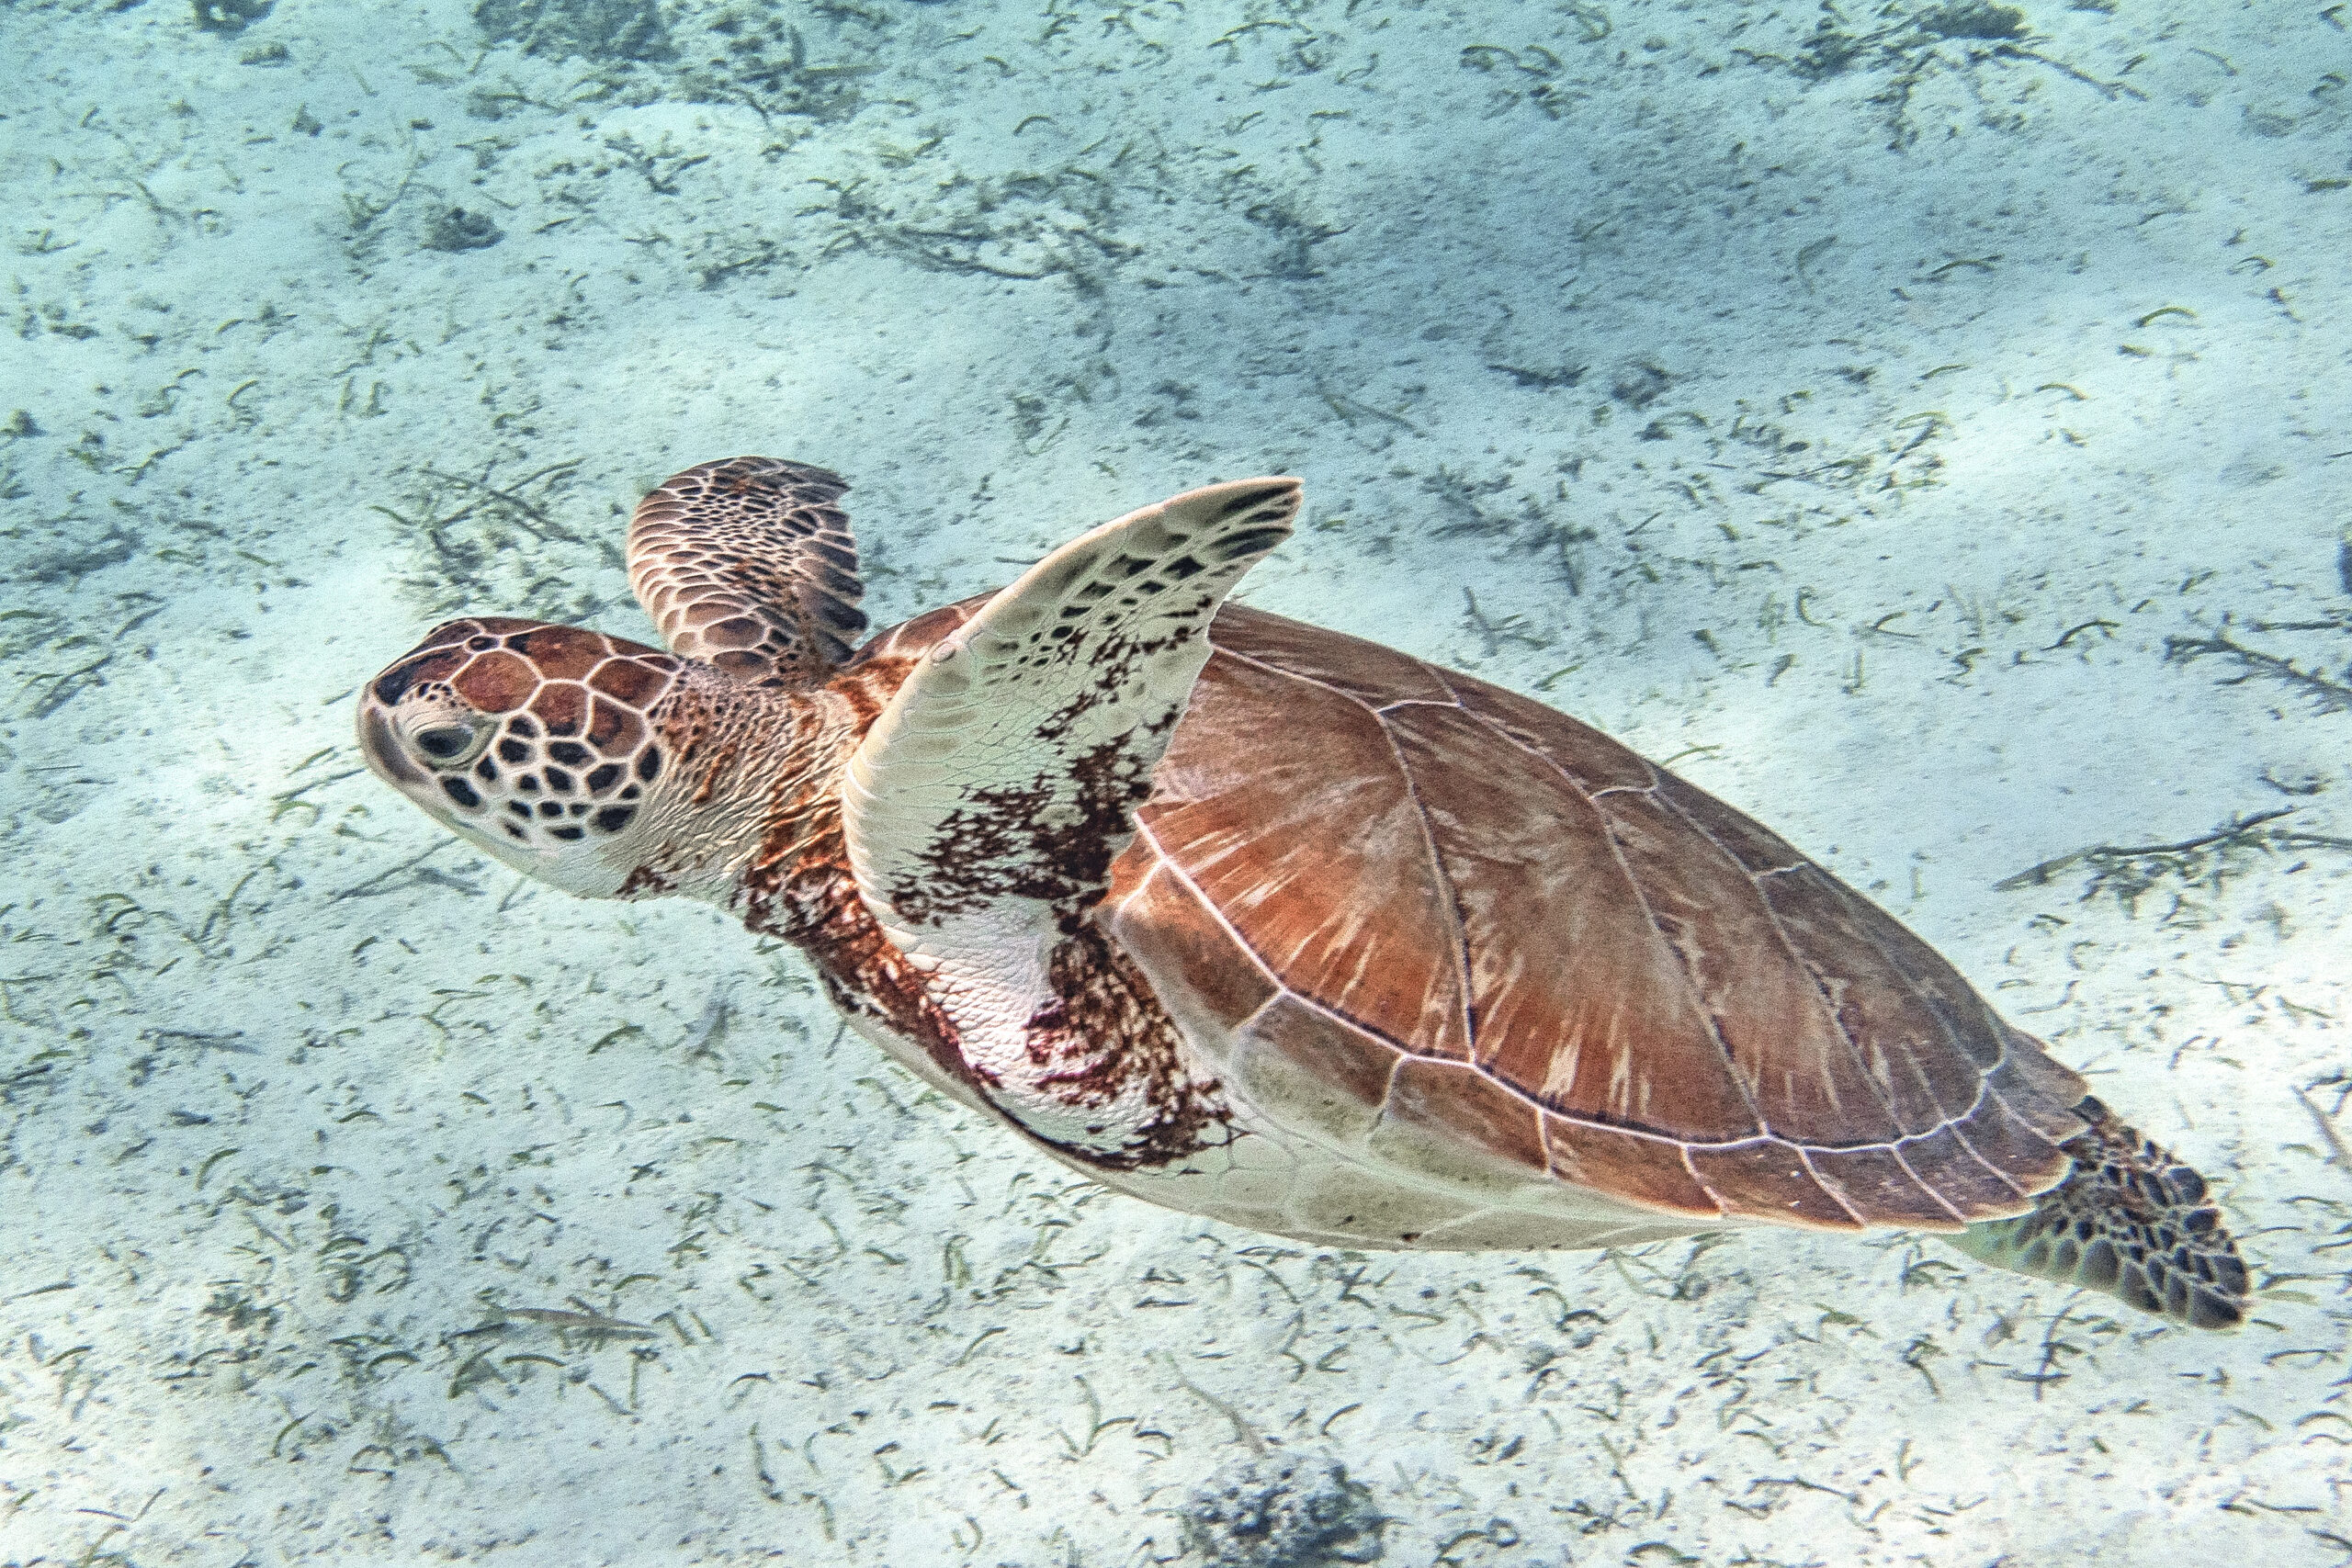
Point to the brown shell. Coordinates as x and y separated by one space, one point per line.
1462 912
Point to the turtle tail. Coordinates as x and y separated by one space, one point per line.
2130 1220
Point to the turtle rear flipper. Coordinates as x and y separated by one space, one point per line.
2130 1220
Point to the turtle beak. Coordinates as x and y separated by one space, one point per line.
382 749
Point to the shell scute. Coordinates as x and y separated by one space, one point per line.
1220 985
1330 1078
1509 842
1458 1100
1310 851
1879 1182
1587 759
1761 1003
1645 1168
1366 672
1768 1179
1948 1160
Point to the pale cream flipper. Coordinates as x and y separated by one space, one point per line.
986 806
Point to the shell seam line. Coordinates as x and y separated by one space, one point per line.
1633 887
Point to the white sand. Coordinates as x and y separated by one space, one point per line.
305 1104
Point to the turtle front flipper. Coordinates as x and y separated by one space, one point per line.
749 565
2130 1220
987 802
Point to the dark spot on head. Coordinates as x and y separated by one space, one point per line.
613 819
480 644
567 832
551 808
579 808
394 682
512 832
519 808
521 724
529 784
605 777
631 792
649 764
559 780
571 753
461 792
486 771
513 751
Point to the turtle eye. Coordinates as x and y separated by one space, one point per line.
443 741
447 740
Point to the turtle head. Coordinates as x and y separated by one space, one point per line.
533 742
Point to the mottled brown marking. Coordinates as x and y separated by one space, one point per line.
645 881
1112 1032
716 768
799 889
397 682
1005 843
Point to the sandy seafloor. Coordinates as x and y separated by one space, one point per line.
1937 445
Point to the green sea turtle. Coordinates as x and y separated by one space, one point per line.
1261 922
